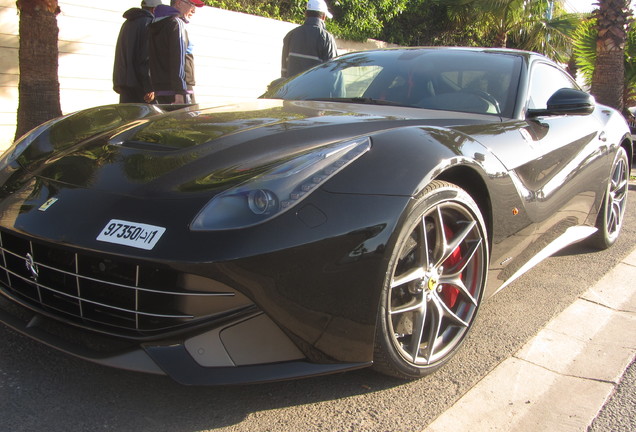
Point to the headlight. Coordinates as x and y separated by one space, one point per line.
22 143
279 189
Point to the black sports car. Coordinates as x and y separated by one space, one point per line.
358 214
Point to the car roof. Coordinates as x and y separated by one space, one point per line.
507 51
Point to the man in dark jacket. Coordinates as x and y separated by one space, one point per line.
170 49
310 44
131 75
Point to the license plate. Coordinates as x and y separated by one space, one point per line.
132 234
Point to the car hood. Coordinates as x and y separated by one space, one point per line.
144 151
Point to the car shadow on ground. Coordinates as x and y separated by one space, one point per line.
95 397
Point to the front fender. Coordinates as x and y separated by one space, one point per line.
403 161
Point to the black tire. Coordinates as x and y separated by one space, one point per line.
610 218
434 283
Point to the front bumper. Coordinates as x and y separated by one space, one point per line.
219 356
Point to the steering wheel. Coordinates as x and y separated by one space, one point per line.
485 96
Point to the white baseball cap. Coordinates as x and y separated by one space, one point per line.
320 6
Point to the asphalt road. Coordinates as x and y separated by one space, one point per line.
43 390
619 413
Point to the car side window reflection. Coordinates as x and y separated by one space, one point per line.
358 79
546 80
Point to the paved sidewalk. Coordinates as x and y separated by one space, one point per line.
561 378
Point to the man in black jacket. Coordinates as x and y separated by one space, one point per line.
131 75
310 44
170 49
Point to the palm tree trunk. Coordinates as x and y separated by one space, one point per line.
501 39
609 72
39 87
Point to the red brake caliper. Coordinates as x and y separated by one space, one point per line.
449 293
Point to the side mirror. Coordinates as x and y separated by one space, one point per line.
566 101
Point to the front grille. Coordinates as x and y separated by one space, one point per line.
107 293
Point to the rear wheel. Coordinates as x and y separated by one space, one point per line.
610 218
434 283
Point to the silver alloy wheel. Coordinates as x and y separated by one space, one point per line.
617 195
437 282
612 212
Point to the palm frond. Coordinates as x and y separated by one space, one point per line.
585 49
630 68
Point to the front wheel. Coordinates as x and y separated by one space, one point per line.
434 283
610 218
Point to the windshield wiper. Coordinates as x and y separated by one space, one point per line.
363 100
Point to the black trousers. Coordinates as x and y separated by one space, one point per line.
170 99
131 95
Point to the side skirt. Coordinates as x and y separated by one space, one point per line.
570 236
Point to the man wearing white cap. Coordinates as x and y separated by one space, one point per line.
309 44
131 75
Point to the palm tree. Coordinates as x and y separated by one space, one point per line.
534 25
585 56
39 87
609 71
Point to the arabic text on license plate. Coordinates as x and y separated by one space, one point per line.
133 234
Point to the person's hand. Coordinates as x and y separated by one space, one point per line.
179 99
149 97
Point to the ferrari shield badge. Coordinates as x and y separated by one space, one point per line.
47 204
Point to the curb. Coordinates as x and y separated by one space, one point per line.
560 379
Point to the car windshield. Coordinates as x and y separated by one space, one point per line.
453 80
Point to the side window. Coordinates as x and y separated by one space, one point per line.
546 80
